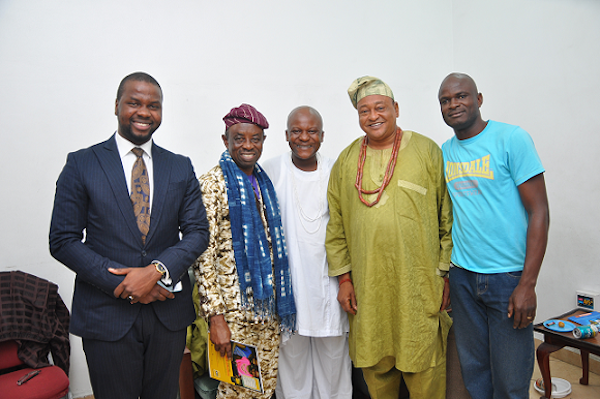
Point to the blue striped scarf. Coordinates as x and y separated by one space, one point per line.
251 247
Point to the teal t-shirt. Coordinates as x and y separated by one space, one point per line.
482 174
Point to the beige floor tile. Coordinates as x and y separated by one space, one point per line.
572 374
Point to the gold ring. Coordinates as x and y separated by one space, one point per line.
130 298
529 318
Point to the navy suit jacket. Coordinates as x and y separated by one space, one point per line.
94 227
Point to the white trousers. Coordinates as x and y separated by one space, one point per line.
314 368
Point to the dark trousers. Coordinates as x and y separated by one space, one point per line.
143 364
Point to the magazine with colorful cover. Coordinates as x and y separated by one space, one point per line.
242 370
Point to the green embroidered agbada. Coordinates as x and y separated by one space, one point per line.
396 251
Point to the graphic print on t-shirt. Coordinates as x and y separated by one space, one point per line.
476 168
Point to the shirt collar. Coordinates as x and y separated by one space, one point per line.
124 146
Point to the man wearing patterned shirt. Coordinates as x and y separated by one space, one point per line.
243 277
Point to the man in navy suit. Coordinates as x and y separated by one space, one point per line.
132 300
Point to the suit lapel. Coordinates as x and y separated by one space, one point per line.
110 161
161 176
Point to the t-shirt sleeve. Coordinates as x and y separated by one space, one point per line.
524 161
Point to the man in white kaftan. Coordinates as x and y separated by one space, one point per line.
314 363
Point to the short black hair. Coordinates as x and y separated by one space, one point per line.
139 77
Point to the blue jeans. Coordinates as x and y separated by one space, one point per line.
496 360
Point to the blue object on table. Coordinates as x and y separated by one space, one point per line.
552 324
584 319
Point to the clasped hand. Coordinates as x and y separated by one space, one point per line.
140 285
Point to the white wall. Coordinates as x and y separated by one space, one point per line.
536 63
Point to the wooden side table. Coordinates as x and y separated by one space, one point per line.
554 341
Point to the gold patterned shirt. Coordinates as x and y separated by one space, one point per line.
219 289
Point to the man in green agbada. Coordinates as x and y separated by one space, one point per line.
388 242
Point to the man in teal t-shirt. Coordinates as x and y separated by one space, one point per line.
496 182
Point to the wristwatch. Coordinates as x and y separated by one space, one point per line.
160 268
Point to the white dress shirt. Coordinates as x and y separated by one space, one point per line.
128 158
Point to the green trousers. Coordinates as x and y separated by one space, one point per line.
384 379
